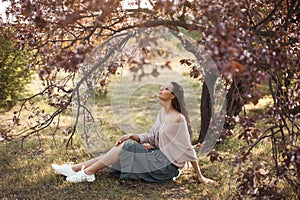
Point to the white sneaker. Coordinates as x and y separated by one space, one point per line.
64 169
81 176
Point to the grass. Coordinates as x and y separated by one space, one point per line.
26 174
25 171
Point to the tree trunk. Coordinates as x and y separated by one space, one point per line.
234 103
206 105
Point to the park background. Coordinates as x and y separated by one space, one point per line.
44 49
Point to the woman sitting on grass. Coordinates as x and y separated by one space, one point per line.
157 156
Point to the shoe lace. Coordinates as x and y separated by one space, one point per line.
82 174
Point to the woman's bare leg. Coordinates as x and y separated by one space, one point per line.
100 162
78 167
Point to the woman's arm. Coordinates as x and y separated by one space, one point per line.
200 177
127 137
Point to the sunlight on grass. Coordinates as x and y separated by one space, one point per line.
261 106
26 172
29 170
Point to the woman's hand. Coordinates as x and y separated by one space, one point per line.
200 177
122 139
148 146
205 180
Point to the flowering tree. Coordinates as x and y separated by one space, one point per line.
253 44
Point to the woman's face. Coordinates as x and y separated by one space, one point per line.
165 92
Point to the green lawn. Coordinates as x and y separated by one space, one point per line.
26 174
25 171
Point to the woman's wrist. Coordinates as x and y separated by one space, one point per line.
134 137
200 177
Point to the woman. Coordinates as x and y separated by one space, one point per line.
157 156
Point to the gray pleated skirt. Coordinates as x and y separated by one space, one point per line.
135 162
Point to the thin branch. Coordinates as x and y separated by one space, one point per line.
263 136
77 118
75 92
56 128
266 20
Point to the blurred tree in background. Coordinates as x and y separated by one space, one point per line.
13 72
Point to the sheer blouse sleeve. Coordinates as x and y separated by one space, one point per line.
175 144
152 136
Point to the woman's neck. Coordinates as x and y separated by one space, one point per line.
167 107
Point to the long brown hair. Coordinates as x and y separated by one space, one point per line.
179 104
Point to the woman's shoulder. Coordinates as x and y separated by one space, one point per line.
178 118
181 117
175 117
